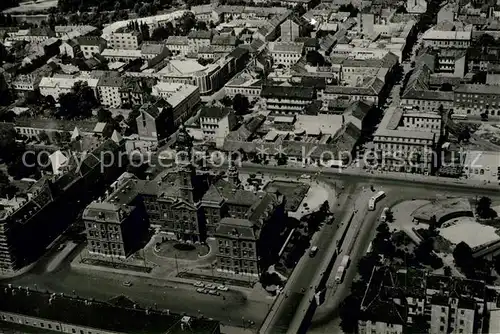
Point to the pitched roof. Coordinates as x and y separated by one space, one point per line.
287 92
214 112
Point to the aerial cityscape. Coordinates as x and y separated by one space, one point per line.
250 166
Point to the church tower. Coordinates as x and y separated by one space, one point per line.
185 169
233 175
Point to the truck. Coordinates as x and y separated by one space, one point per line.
383 216
313 251
339 276
345 261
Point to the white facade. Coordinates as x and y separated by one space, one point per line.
447 39
483 166
423 121
183 99
369 327
109 96
125 40
286 53
217 129
56 86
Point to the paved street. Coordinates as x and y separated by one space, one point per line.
235 309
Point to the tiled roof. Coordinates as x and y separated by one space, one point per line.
287 92
214 112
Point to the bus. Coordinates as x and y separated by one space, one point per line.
339 276
345 261
378 196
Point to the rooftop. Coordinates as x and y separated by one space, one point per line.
478 89
96 314
292 47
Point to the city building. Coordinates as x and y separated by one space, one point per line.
405 147
178 44
91 45
286 53
476 99
428 100
223 43
452 62
124 39
183 99
60 313
287 99
216 123
482 165
245 84
152 50
445 39
28 219
116 225
370 90
69 48
55 86
108 88
121 55
410 300
292 28
416 6
198 39
134 90
155 121
246 244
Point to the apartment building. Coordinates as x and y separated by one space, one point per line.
403 148
452 62
369 90
91 45
116 224
428 100
121 55
447 39
178 44
108 88
134 90
55 86
124 39
25 84
444 304
152 50
476 99
422 121
155 121
287 99
183 99
355 71
216 123
286 53
198 39
69 48
30 220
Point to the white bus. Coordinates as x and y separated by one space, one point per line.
345 261
375 199
339 276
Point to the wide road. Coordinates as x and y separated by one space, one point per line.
324 319
402 181
307 268
180 298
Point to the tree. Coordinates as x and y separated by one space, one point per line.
160 33
201 25
78 103
44 137
349 8
7 115
389 216
314 58
484 210
464 134
349 313
446 87
104 115
281 159
463 256
241 104
366 265
9 150
299 10
447 271
7 189
187 22
226 101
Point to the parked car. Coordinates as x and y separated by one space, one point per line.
210 286
222 288
305 176
127 283
201 290
214 292
199 284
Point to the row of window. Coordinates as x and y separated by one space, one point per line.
43 324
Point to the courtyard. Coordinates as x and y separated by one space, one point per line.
181 251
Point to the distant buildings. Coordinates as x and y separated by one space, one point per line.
410 300
216 123
55 86
475 99
27 221
447 39
286 53
91 46
287 99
